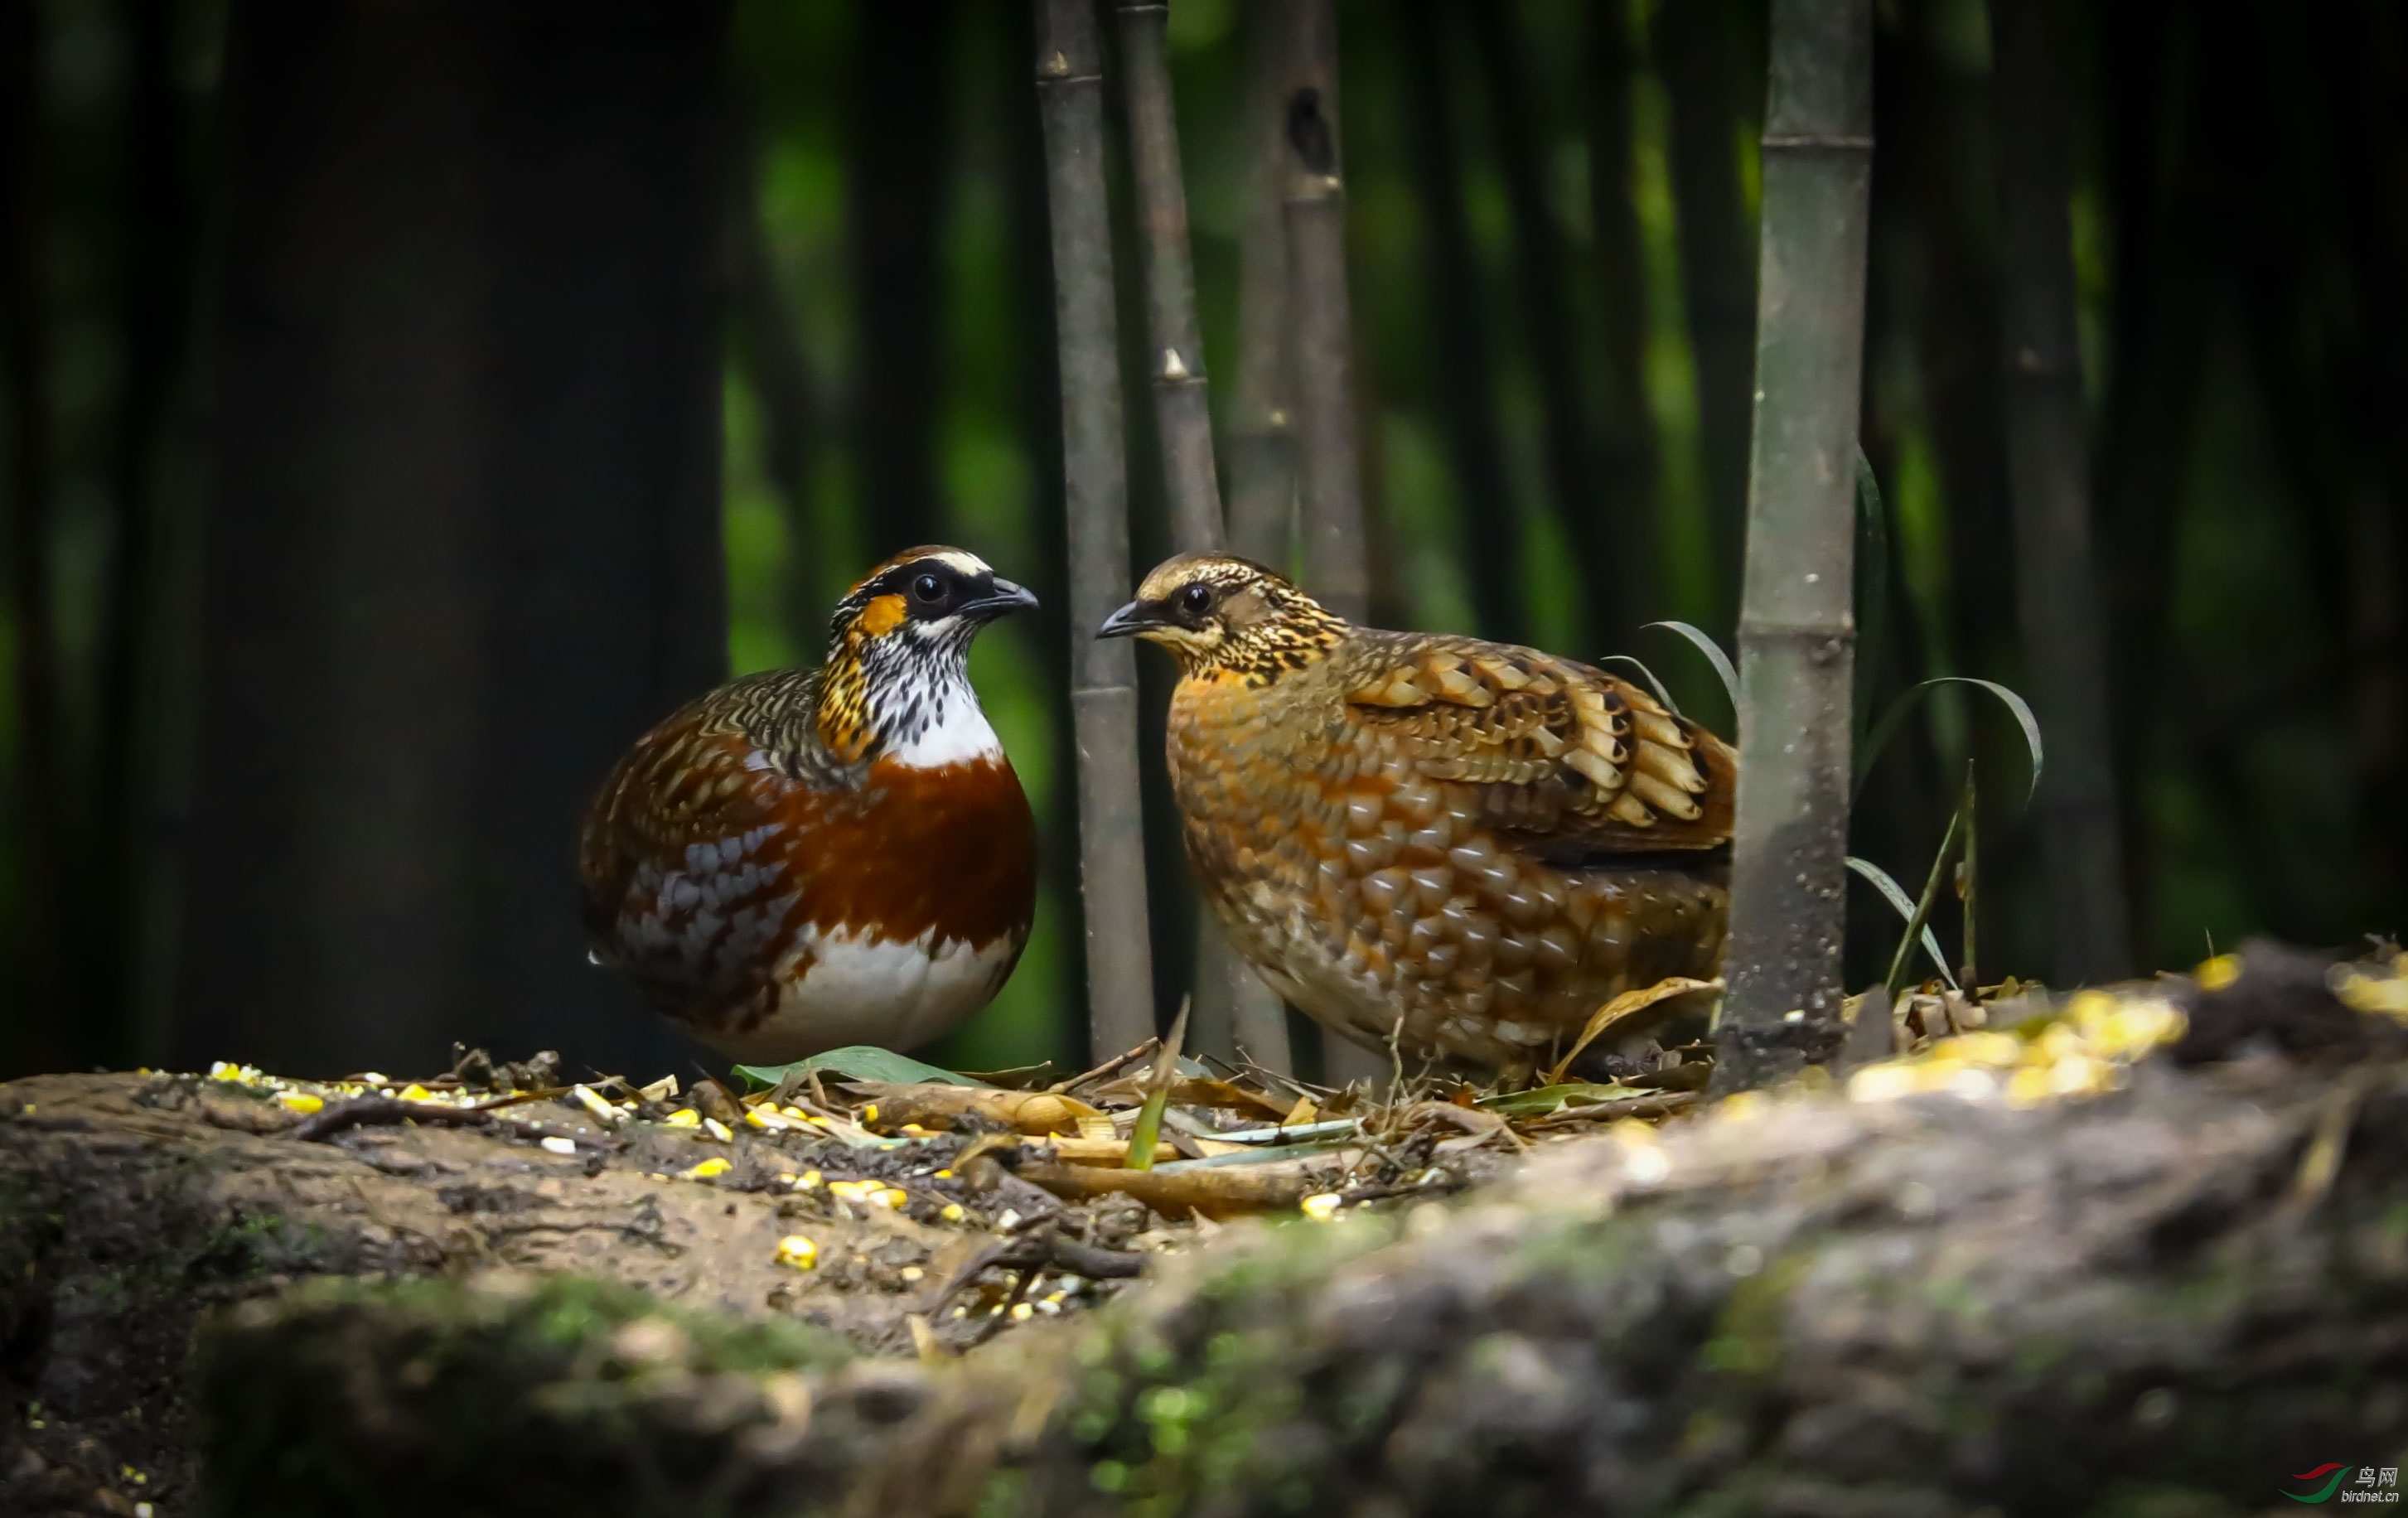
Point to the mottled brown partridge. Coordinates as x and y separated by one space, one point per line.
1486 841
809 858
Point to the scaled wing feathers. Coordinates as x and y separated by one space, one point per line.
1559 751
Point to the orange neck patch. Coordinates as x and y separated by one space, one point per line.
882 616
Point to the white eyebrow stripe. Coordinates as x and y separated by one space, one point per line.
968 563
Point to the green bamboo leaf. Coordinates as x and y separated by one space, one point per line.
1649 675
854 1062
1714 652
1886 729
1895 895
1871 587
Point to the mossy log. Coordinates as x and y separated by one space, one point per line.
2165 1299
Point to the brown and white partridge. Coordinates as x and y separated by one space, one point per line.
1484 841
806 859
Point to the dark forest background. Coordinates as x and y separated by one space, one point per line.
406 402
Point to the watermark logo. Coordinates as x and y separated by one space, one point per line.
2351 1483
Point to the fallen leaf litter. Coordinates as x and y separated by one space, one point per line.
1042 1167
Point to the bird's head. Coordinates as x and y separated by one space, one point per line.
1218 613
897 678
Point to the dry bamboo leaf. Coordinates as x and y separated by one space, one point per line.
932 1104
1214 1192
1099 1151
1622 1009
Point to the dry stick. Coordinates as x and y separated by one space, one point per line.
1261 435
1103 683
1320 326
1796 639
1183 419
2048 477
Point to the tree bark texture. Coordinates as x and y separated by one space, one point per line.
462 535
1796 628
1103 688
2048 458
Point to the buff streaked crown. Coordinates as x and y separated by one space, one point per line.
1221 614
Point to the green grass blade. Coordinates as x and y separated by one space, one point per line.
1148 1131
1919 924
1886 729
1649 675
1714 652
1871 588
1895 895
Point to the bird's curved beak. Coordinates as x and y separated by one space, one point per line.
1131 619
1002 600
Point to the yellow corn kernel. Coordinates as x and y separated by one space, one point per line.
1320 1207
684 1117
711 1166
797 1250
296 1101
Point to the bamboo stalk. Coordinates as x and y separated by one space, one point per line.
1262 440
2048 476
1627 484
1261 434
1464 374
1103 686
42 800
1542 284
1175 350
1320 324
1320 330
1183 416
1797 636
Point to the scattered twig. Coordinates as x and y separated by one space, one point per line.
377 1111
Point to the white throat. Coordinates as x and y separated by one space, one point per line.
938 724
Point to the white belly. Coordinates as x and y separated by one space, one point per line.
836 989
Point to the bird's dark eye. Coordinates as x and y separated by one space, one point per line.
928 590
1196 599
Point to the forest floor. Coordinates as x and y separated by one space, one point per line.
2116 1227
